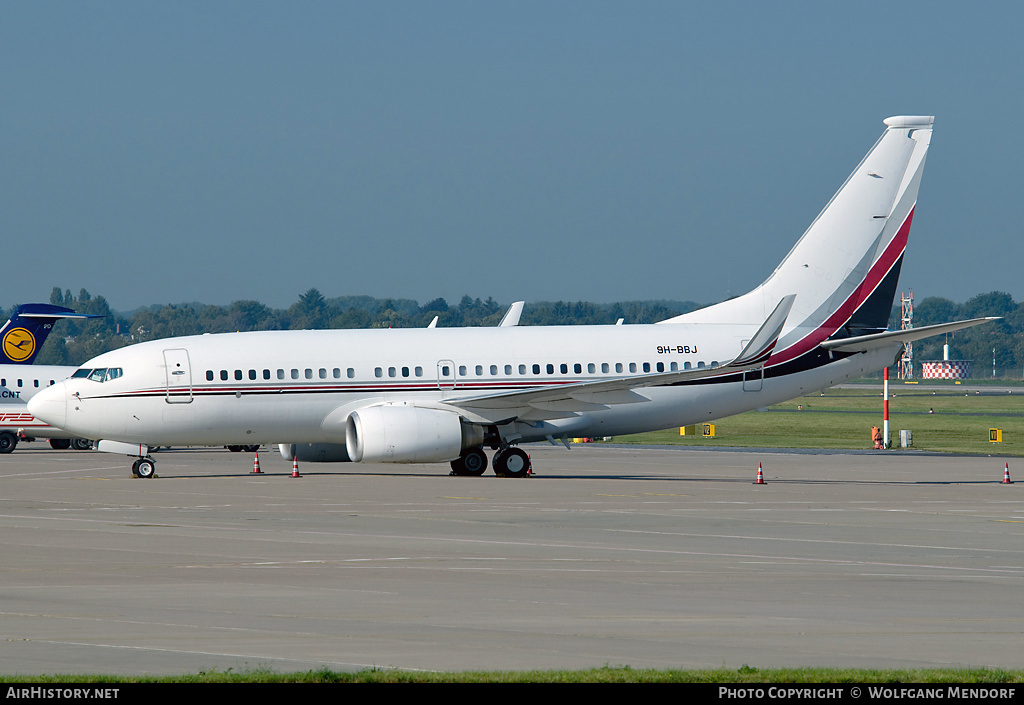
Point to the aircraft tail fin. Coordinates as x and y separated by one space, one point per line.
845 268
26 331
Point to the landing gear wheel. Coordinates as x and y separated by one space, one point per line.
473 461
60 443
81 444
511 462
144 467
8 442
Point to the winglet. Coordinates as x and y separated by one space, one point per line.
760 347
511 317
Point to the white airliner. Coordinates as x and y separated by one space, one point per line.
444 394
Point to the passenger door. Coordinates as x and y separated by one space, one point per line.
179 376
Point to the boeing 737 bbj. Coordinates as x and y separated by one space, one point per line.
444 394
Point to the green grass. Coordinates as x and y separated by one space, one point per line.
842 419
607 674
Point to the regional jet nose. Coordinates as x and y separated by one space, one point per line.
51 405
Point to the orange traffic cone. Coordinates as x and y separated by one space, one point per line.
760 476
1006 475
295 467
529 466
256 466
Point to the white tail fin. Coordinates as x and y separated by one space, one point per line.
845 267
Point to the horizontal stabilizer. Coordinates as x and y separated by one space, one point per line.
863 343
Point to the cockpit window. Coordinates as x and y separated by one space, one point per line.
99 374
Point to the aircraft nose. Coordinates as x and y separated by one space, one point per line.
50 405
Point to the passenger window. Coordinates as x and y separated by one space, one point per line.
351 372
238 374
405 371
266 374
224 375
661 367
309 373
508 370
578 368
536 369
522 369
336 372
591 369
323 373
551 369
252 374
647 367
419 371
209 375
673 367
604 367
392 372
618 367
479 370
295 374
36 383
280 374
632 367
563 368
462 370
378 372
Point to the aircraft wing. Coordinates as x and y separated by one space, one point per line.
562 400
863 343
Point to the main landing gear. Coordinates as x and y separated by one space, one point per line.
507 462
144 467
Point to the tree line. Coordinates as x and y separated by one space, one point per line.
73 342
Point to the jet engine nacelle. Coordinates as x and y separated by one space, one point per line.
397 433
315 452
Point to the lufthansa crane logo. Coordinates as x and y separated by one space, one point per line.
19 344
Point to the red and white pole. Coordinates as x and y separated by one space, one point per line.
885 409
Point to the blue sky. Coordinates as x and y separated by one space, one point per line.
160 152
